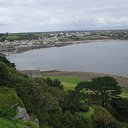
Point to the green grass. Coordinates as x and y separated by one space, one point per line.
8 97
124 94
71 80
14 123
12 37
89 113
68 86
68 82
4 123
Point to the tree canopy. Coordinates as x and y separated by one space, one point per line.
103 87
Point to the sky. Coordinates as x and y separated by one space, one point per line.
62 15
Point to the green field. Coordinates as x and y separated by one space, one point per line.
71 82
12 37
68 82
124 94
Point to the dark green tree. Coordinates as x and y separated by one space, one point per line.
103 87
120 106
4 60
4 74
54 83
74 102
57 83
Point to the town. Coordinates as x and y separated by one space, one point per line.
20 42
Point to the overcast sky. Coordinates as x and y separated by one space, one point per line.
53 15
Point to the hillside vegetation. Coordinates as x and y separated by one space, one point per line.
9 103
59 103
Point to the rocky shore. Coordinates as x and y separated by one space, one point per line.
16 47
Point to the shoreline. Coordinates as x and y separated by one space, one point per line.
20 49
122 80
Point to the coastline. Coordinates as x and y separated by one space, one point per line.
22 48
122 80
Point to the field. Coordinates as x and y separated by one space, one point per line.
71 82
68 82
12 37
124 94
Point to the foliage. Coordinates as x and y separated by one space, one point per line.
8 97
103 87
120 109
4 74
7 112
8 102
74 102
2 37
80 122
88 114
122 125
30 124
83 85
55 108
54 83
69 83
67 120
103 119
14 123
124 93
4 60
4 123
55 91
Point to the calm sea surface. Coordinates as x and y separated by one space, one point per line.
99 56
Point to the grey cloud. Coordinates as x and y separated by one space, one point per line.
47 15
2 24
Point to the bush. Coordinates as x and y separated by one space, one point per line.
7 112
4 123
103 119
30 124
84 108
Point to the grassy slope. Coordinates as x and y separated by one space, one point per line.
15 123
4 123
8 97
